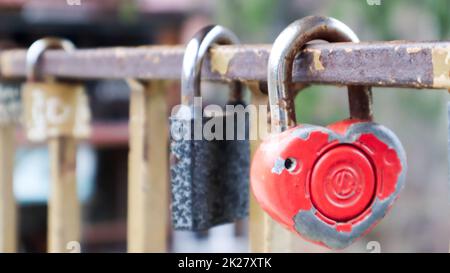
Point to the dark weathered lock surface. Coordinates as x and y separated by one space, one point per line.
209 176
209 180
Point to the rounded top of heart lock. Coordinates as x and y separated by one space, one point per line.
342 182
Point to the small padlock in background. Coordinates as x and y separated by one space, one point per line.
55 109
209 177
57 112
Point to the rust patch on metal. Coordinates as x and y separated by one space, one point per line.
441 67
220 62
412 50
317 64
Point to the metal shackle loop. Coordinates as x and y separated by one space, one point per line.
35 51
284 50
196 49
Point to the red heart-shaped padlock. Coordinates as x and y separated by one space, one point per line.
331 185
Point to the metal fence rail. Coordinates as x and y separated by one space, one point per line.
400 64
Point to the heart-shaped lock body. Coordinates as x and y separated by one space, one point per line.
329 184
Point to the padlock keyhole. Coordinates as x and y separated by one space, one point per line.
290 164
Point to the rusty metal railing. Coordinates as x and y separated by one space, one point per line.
397 63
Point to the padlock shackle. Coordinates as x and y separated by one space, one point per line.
279 76
35 51
196 50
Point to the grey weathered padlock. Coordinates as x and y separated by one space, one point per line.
209 177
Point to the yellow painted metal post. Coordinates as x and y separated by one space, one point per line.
148 188
63 206
8 210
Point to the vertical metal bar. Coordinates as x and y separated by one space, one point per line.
8 210
148 190
63 207
257 217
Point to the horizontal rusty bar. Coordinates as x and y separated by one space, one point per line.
396 63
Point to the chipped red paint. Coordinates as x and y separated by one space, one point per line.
366 168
